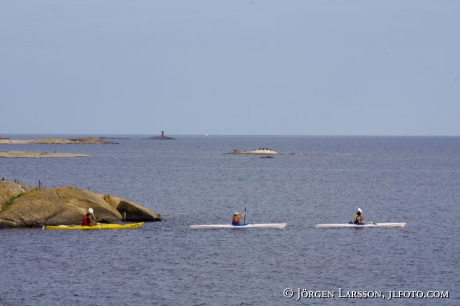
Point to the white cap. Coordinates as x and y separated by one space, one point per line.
236 213
359 209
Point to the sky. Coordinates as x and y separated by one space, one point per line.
229 67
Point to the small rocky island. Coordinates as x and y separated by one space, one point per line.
82 140
260 151
162 137
23 154
24 206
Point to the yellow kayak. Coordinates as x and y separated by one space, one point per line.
99 226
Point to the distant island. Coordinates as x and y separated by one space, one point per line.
22 154
82 140
260 151
113 137
162 137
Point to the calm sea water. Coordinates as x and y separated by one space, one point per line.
190 181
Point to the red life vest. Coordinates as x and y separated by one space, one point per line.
86 221
236 220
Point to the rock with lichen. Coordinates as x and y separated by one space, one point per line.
23 206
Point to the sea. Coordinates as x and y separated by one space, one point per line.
190 180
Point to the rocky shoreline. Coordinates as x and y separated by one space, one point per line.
82 140
23 154
24 206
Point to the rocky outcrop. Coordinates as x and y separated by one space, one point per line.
10 190
260 151
161 137
22 154
91 140
82 140
23 206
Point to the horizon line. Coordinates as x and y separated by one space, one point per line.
232 135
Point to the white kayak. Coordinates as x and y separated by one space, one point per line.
360 225
219 226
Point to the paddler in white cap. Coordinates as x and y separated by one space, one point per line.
358 219
237 217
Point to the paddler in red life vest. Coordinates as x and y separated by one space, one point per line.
358 219
236 218
88 220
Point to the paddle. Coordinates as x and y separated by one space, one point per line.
244 218
91 211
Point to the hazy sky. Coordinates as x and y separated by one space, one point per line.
228 67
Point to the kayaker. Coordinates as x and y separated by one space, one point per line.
88 220
237 217
358 219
